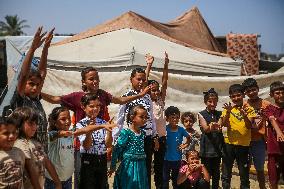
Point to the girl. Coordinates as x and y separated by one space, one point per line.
138 81
193 174
212 140
158 97
129 149
61 145
27 119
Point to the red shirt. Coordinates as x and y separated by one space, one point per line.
273 146
72 101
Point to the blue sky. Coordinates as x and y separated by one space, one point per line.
265 17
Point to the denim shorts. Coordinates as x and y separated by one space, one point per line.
257 154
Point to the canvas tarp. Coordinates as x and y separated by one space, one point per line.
189 30
184 91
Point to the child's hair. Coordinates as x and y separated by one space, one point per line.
2 121
236 88
277 85
187 114
132 112
53 116
192 152
85 100
150 82
21 115
210 93
137 70
83 75
249 82
35 73
172 110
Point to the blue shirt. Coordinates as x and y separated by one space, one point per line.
174 139
99 146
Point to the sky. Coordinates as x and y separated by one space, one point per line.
264 17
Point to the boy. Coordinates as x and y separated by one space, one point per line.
257 145
93 173
275 135
31 81
174 145
12 159
238 120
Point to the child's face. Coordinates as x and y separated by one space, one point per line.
173 119
278 96
138 81
140 118
32 88
155 91
8 136
193 159
252 92
237 98
92 81
29 129
188 122
63 121
92 109
211 103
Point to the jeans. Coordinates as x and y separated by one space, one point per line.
212 164
170 170
241 155
93 173
158 163
49 184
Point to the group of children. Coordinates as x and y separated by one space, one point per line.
36 152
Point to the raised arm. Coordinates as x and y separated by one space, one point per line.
224 120
126 99
43 59
25 70
165 78
51 99
149 60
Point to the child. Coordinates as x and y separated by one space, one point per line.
138 81
12 159
26 119
129 149
93 171
275 134
257 144
238 120
212 140
193 174
188 119
30 84
174 147
61 145
158 98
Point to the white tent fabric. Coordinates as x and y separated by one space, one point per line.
127 47
184 91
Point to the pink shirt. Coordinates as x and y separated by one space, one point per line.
194 176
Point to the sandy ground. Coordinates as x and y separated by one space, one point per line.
235 181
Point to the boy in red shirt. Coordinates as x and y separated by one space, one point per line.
275 134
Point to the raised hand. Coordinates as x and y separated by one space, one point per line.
48 38
38 39
280 136
110 172
149 58
166 58
65 133
145 90
228 107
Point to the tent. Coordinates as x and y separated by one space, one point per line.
117 46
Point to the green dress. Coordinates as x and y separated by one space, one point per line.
132 172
